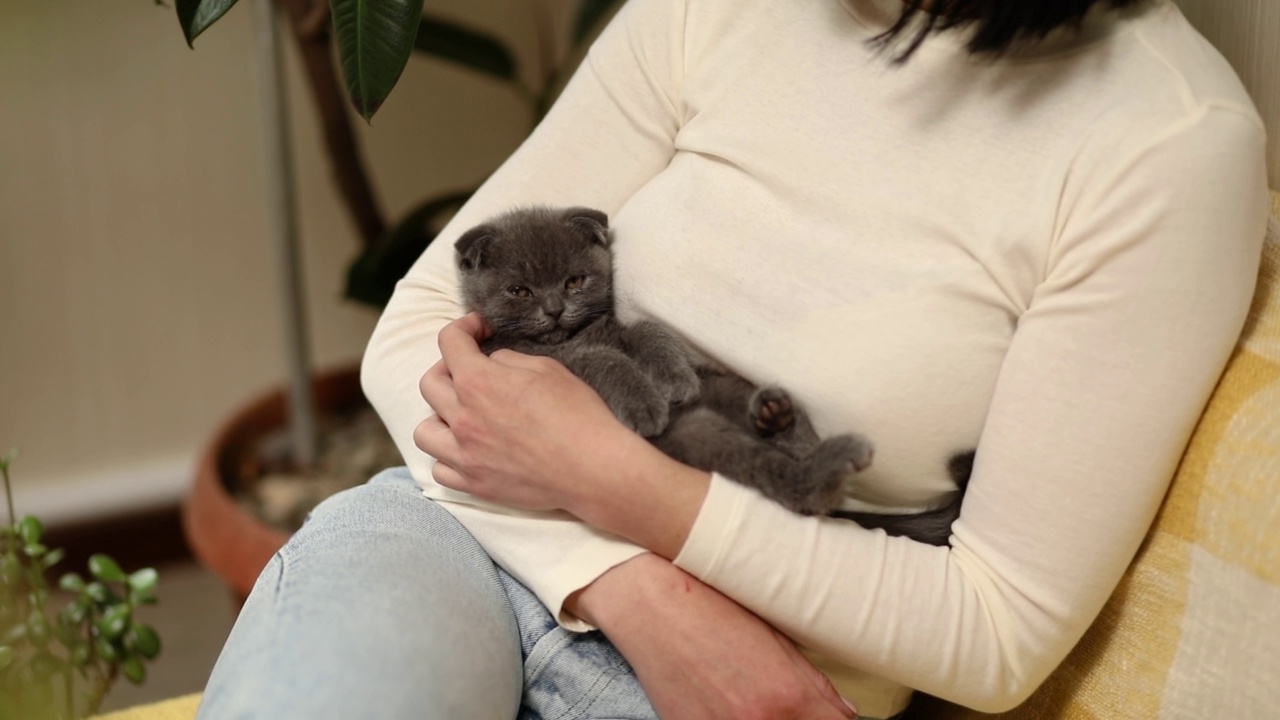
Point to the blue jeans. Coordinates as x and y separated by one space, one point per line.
383 606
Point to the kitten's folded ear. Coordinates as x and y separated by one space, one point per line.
472 245
591 220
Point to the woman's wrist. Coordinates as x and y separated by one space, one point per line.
648 498
623 590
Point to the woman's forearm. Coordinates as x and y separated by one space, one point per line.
698 654
650 499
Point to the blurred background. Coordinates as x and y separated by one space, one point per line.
139 301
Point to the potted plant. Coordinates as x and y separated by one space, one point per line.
61 665
279 436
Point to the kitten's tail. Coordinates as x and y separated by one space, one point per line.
932 527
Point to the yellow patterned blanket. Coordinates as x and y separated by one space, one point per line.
1193 630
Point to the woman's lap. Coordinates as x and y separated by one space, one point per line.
382 605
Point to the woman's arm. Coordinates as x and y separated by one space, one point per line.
1148 284
611 131
711 658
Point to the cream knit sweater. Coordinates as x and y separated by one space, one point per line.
1046 256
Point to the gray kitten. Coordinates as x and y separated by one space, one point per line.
542 279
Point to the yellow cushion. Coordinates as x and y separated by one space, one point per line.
179 708
1193 630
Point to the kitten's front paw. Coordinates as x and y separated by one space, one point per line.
771 411
648 417
830 469
679 384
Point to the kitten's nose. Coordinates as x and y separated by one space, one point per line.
553 309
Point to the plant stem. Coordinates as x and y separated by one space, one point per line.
282 195
8 492
309 22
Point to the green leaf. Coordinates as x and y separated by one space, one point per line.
143 580
144 640
373 275
75 613
195 16
135 670
71 582
105 569
67 616
53 558
590 14
106 649
114 622
30 529
462 45
375 38
35 550
6 656
100 593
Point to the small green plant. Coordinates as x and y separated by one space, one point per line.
61 666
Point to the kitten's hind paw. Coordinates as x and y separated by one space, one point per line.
829 470
771 411
854 452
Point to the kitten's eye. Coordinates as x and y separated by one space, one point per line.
519 291
575 282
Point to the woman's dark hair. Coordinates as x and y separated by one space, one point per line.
997 24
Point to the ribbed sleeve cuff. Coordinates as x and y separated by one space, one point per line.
714 528
577 571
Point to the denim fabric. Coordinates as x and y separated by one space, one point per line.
383 606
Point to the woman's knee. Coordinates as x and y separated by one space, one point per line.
384 599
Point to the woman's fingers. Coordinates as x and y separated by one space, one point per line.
459 342
513 359
433 437
444 474
819 680
437 389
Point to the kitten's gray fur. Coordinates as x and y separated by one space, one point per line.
542 278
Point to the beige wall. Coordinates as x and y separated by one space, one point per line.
1248 34
137 294
137 286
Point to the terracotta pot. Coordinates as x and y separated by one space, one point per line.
226 538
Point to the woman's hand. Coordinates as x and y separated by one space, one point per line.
524 432
698 654
514 429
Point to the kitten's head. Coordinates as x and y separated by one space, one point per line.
538 273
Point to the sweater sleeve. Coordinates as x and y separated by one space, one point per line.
612 130
1145 291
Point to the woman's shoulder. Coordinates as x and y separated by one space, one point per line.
1185 60
1158 84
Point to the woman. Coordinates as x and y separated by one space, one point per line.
1045 253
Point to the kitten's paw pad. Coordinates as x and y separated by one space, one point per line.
772 411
